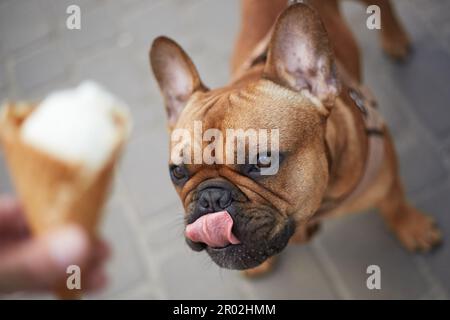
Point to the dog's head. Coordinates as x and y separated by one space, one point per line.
243 210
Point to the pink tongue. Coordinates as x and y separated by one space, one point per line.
214 229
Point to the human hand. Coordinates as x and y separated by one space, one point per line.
39 263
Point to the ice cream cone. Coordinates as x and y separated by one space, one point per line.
55 192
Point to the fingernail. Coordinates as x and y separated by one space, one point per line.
68 246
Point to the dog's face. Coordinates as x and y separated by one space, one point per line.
240 215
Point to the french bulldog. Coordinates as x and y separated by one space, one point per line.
296 69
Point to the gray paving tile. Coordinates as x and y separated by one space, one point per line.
445 150
187 21
428 93
22 23
439 259
145 173
97 26
148 113
117 70
355 242
419 81
3 77
126 7
162 18
3 95
37 94
297 275
40 67
60 6
28 296
391 107
210 44
5 182
420 164
56 11
127 267
189 275
435 15
140 292
435 294
165 229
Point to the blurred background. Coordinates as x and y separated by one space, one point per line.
143 220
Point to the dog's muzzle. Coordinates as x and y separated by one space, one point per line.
232 230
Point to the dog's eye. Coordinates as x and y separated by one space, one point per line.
262 162
178 173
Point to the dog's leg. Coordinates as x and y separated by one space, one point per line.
257 17
414 229
394 39
262 269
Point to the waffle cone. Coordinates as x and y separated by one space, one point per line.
54 192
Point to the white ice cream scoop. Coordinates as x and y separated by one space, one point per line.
76 125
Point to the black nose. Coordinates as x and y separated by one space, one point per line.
214 199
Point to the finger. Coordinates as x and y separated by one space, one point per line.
9 204
41 263
94 276
12 219
95 279
100 252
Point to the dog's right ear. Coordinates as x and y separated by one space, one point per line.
177 76
300 55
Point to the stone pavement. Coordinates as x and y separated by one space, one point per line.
143 221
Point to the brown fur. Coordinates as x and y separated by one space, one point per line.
272 95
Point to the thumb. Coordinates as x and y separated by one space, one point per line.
39 263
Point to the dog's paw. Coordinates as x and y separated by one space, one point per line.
396 44
260 270
417 231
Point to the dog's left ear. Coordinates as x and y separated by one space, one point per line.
300 55
176 74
